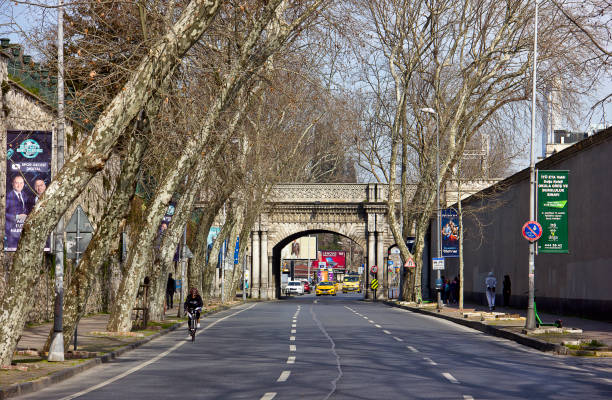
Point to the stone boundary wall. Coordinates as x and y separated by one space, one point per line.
23 110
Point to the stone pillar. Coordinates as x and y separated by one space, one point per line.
255 281
371 261
382 267
272 279
265 268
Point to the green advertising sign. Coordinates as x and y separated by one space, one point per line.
552 211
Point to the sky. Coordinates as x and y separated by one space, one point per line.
16 18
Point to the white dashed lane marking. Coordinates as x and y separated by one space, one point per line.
412 349
378 326
293 331
294 325
291 360
449 377
268 396
292 338
292 347
398 339
430 361
283 376
467 397
386 331
370 321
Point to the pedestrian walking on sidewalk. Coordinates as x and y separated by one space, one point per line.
490 283
170 290
507 290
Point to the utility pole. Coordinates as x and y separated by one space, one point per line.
56 349
530 322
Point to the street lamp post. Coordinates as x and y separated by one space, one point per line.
530 322
438 241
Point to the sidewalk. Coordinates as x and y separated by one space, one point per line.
31 371
579 336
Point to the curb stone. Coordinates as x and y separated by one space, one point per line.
18 389
491 330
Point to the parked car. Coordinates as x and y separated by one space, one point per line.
295 287
306 286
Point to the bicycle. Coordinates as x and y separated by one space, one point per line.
192 322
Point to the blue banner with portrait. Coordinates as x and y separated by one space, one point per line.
450 233
28 173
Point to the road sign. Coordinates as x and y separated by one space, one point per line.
532 230
322 265
373 269
78 234
438 263
409 263
374 284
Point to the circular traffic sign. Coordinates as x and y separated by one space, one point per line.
532 230
373 269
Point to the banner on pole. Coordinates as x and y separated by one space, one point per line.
28 173
450 233
553 189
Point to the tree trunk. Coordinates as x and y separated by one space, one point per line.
104 239
89 159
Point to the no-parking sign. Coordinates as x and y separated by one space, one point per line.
532 230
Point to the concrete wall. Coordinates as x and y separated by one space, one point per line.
577 283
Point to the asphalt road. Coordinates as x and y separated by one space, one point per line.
335 348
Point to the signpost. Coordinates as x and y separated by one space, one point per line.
532 230
438 263
553 189
374 286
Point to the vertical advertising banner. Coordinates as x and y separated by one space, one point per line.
552 211
28 173
450 233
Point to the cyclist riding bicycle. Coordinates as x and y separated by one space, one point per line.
194 304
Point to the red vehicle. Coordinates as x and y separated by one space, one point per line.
306 287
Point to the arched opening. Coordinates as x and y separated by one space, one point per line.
354 259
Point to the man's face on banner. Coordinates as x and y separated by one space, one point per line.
18 183
39 186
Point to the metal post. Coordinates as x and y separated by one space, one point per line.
56 348
530 322
438 241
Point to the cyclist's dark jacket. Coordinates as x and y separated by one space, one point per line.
193 302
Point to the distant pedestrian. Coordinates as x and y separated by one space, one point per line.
490 283
170 290
455 290
507 290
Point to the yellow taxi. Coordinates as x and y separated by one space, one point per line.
325 288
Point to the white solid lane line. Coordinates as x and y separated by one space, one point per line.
412 349
268 396
449 377
292 347
430 361
386 331
291 360
151 361
398 339
283 376
378 326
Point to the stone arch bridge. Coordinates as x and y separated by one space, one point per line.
356 211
